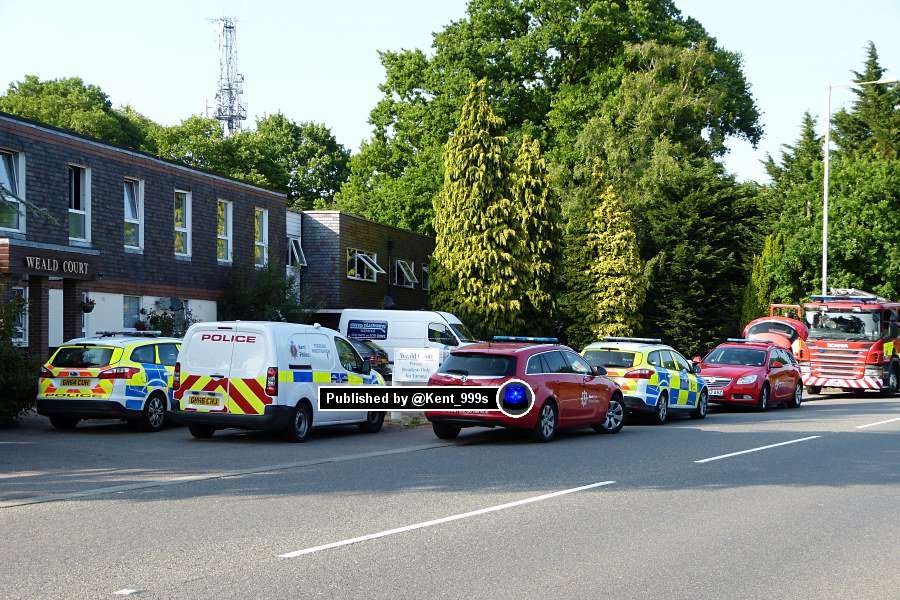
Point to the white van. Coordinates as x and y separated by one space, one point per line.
392 329
259 375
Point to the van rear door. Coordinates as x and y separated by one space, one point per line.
206 369
252 362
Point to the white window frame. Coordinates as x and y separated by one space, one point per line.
186 230
262 244
426 278
23 340
408 271
139 187
19 166
369 261
295 257
229 211
86 202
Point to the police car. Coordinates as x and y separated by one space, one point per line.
116 375
263 375
654 377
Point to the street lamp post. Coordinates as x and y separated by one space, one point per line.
827 155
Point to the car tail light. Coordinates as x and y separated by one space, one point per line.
176 376
272 381
639 374
118 373
45 372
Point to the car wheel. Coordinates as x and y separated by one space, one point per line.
763 403
615 417
814 389
301 423
153 417
202 432
797 400
547 423
702 406
444 431
374 421
662 409
892 384
64 423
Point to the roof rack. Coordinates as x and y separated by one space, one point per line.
516 338
638 340
149 334
748 341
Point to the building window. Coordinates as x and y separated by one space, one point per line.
295 257
404 274
131 311
134 214
261 237
223 231
426 278
363 265
12 212
20 326
79 204
182 223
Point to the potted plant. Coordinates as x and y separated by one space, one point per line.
87 305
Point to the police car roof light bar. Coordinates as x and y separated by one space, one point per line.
515 338
129 333
610 338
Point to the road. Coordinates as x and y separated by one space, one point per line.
678 511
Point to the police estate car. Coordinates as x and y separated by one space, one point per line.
654 377
116 375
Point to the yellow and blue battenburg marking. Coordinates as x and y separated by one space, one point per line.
330 377
137 386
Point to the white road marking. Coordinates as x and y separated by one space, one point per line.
730 454
212 476
127 592
442 520
878 423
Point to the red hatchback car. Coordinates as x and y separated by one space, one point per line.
568 392
752 373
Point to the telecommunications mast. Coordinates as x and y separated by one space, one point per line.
230 108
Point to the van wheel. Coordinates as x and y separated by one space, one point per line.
301 423
153 417
374 421
444 431
202 432
893 383
64 423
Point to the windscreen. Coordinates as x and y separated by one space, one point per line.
462 332
844 325
479 365
746 357
774 327
82 357
615 359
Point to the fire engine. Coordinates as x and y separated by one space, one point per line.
847 339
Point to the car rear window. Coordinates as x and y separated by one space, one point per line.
616 359
479 365
82 357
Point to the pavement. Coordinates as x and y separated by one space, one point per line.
784 504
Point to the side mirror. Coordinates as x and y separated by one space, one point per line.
695 368
599 371
696 360
776 364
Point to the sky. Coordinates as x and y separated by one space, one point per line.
318 61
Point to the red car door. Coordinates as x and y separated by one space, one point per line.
568 385
591 397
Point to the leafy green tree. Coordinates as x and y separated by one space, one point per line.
602 266
761 288
197 142
532 193
71 104
478 262
267 294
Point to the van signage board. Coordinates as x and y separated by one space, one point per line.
416 364
367 330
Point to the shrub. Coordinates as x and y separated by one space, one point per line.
265 294
18 370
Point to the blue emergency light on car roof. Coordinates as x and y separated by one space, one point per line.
515 394
514 338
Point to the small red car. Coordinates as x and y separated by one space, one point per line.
752 373
568 391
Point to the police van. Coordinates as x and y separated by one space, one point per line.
115 375
262 375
